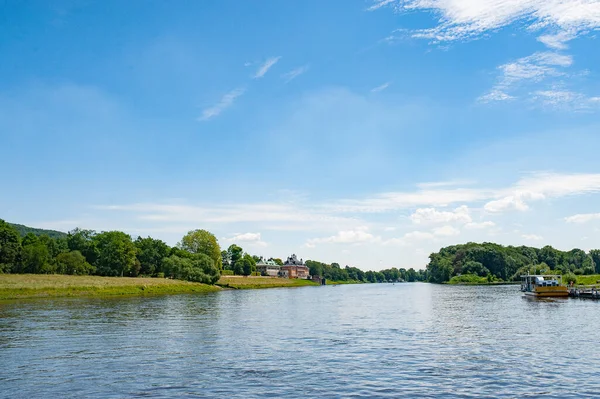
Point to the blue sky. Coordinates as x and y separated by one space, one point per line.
368 133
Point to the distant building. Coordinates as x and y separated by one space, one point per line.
268 268
295 268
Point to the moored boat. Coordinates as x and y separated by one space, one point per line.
546 285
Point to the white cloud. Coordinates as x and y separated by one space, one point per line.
526 71
399 200
357 236
539 186
449 183
495 95
294 73
379 3
557 41
480 225
226 102
250 238
446 231
582 218
532 237
380 88
264 68
272 216
418 235
509 203
556 21
564 99
471 19
433 216
342 215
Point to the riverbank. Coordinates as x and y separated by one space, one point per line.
239 282
20 286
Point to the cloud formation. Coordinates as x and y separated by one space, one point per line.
471 19
582 218
527 71
357 236
249 238
294 73
433 216
226 101
381 87
264 68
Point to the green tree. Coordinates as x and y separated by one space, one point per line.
83 241
440 269
202 242
225 261
198 268
235 253
150 253
277 261
595 255
472 267
73 262
36 258
248 265
116 253
10 247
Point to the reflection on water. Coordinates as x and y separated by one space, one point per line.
383 340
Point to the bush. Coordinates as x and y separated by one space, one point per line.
468 279
255 274
578 272
477 268
568 277
227 272
588 270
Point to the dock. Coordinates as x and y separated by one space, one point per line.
584 292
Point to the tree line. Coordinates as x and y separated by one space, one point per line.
334 272
197 257
507 263
110 253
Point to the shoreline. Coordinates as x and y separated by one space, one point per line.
32 286
260 282
28 286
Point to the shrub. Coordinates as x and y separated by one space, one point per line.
227 272
468 279
568 277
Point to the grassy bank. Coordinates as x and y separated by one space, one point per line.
591 279
16 286
334 282
239 282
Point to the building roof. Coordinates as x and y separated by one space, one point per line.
293 261
263 262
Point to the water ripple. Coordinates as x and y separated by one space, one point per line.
367 341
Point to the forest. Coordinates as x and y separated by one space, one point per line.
495 262
197 257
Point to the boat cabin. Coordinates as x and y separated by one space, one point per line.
543 285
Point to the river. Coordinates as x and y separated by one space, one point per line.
372 341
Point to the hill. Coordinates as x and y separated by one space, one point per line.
23 230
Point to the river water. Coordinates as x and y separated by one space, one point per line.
355 341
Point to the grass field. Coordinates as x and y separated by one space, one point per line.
239 282
591 279
16 286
